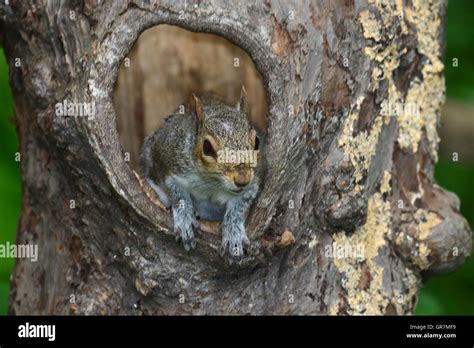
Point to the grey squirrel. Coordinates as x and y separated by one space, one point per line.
206 161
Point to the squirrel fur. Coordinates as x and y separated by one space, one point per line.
184 163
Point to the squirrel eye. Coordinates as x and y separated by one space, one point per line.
257 142
208 149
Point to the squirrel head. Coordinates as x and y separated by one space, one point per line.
227 146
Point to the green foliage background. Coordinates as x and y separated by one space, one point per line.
10 180
450 294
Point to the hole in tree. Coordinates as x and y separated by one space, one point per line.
166 65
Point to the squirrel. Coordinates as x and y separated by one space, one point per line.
205 161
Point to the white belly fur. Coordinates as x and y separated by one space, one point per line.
208 203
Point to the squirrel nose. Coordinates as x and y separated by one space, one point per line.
241 182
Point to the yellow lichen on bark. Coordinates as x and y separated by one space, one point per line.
428 93
428 96
370 238
359 149
424 223
425 95
363 279
370 24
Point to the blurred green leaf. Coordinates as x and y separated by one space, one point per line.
460 45
4 288
429 304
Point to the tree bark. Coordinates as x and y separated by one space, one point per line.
349 219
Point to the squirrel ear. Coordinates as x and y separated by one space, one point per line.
243 105
197 108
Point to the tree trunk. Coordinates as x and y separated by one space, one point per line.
348 220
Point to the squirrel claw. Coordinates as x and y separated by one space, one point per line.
185 234
236 247
188 244
222 250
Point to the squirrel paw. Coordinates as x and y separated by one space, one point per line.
234 242
183 228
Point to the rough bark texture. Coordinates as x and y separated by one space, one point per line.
337 170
